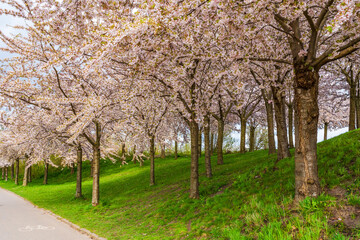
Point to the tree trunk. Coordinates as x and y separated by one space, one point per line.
78 193
123 150
291 125
152 161
17 171
162 151
215 143
212 144
252 138
200 141
2 173
96 175
72 170
176 150
306 124
358 104
358 112
352 114
6 174
270 122
194 174
92 168
281 131
46 171
220 141
325 130
12 171
26 172
96 167
242 135
29 174
207 146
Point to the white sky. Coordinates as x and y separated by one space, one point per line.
331 134
5 26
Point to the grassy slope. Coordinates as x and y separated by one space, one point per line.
245 199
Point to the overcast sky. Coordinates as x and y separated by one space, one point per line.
331 134
5 26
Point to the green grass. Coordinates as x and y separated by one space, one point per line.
245 199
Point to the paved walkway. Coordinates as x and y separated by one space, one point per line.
19 220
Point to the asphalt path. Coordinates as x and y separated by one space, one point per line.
20 220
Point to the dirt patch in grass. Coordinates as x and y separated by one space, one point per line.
344 217
221 190
165 191
337 192
349 216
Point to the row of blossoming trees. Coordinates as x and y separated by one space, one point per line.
86 77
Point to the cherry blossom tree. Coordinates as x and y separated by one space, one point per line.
81 65
314 39
148 113
349 69
333 101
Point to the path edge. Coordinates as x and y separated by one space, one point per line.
72 225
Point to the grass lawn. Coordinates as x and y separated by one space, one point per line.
247 198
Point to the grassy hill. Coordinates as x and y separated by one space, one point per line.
248 198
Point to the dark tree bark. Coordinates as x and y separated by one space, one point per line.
358 101
352 109
6 174
244 115
220 142
72 170
325 130
212 144
123 149
92 168
221 118
291 125
194 132
2 173
17 171
306 123
26 173
194 174
12 171
46 171
176 150
280 117
252 138
200 141
242 134
215 143
306 83
269 115
352 77
79 157
270 122
96 176
152 161
358 110
29 174
207 146
96 167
